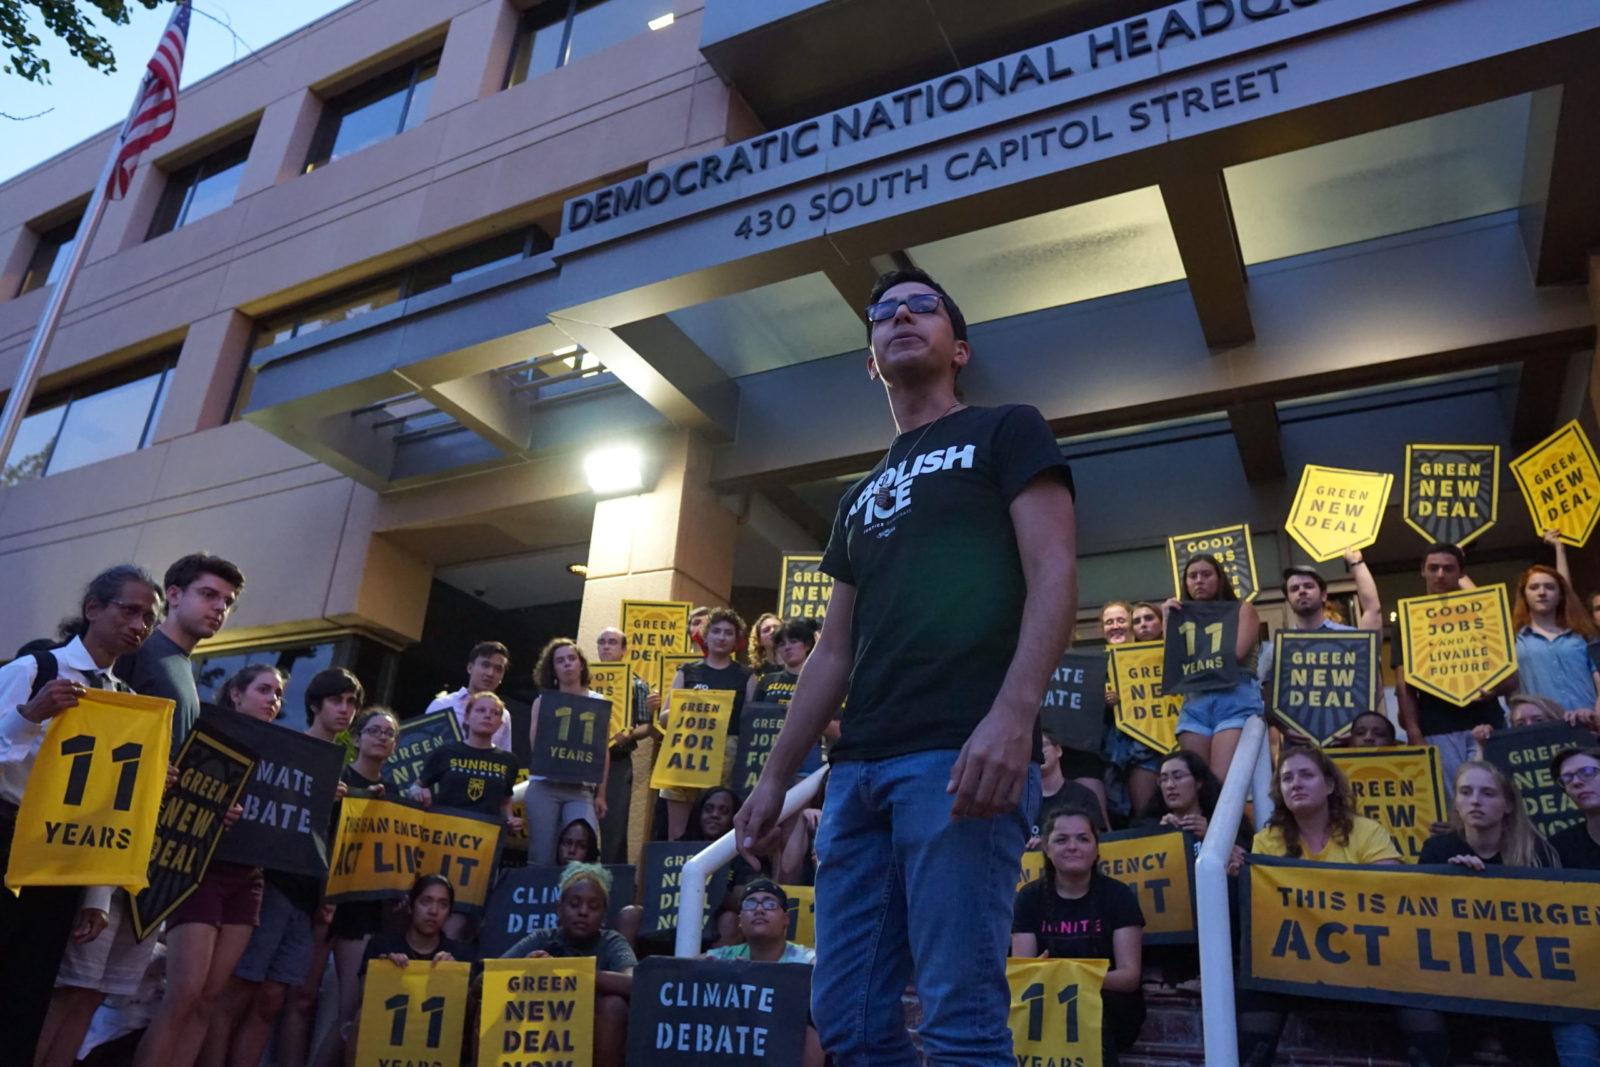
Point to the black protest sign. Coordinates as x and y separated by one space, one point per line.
1228 545
1200 643
288 802
803 589
211 775
1322 680
1074 704
1452 491
759 725
524 900
663 879
1524 753
718 1013
418 737
570 738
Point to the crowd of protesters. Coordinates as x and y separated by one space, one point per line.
244 957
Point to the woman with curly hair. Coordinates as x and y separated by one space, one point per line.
762 653
552 805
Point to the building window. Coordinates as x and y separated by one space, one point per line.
455 266
380 109
50 256
558 32
94 420
200 189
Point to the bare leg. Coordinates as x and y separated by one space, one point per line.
189 951
629 919
1223 745
236 998
1199 744
65 1023
812 1057
255 1028
610 1030
1141 788
678 818
300 1012
230 946
791 863
347 953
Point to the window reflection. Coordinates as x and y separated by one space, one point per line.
299 662
559 32
95 420
380 109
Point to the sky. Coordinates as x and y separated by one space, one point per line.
80 102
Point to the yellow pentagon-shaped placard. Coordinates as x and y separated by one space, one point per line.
1144 712
1560 480
1458 644
1337 510
1452 492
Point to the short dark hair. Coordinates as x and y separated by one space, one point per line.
424 881
332 682
488 648
1300 570
185 571
802 630
890 279
1444 548
1592 751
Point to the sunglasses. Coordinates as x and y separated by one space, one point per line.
916 303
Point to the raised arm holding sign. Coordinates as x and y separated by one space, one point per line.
1560 481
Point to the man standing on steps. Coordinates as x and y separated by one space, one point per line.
1305 590
955 588
486 669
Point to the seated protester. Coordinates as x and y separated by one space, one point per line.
1188 795
1072 911
578 843
1056 790
580 931
1530 709
1370 729
1211 722
710 818
1578 772
375 731
1313 817
764 929
471 775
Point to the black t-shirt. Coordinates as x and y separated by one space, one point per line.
359 785
474 779
776 687
609 948
1441 848
161 669
1438 716
1577 849
1076 929
938 578
390 944
732 678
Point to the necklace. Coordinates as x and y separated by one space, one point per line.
884 495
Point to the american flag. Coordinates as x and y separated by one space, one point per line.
157 107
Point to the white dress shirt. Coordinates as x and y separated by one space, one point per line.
20 739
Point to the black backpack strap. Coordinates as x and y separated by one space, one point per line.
46 671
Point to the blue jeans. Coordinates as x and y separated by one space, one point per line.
1577 1044
903 891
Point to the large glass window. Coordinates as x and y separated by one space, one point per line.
558 32
50 256
376 111
200 189
95 420
300 662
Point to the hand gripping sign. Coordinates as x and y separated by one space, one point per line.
1458 644
414 1014
1056 1010
1144 712
1228 545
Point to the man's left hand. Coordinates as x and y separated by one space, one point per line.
989 774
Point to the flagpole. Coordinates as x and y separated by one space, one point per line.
21 394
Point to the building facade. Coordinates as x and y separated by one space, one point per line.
396 276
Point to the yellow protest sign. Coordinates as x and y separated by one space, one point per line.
1398 788
1452 491
1336 510
537 1013
1158 865
1228 545
88 815
1458 644
696 739
614 681
803 589
381 846
670 664
413 1014
1055 1010
1032 868
802 914
1518 941
1143 711
654 628
1558 477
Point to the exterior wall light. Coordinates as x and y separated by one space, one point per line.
614 470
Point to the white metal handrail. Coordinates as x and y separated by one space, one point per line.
1249 773
692 881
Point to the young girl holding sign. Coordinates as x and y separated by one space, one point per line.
1075 912
1210 722
1553 637
208 932
551 805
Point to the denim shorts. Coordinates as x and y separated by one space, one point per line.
1223 709
280 948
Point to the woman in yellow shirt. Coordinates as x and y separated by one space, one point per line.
1313 818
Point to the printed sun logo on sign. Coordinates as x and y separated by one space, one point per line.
1458 644
1558 477
1452 492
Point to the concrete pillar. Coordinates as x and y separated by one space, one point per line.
127 221
674 542
1585 562
202 386
477 48
16 249
282 140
